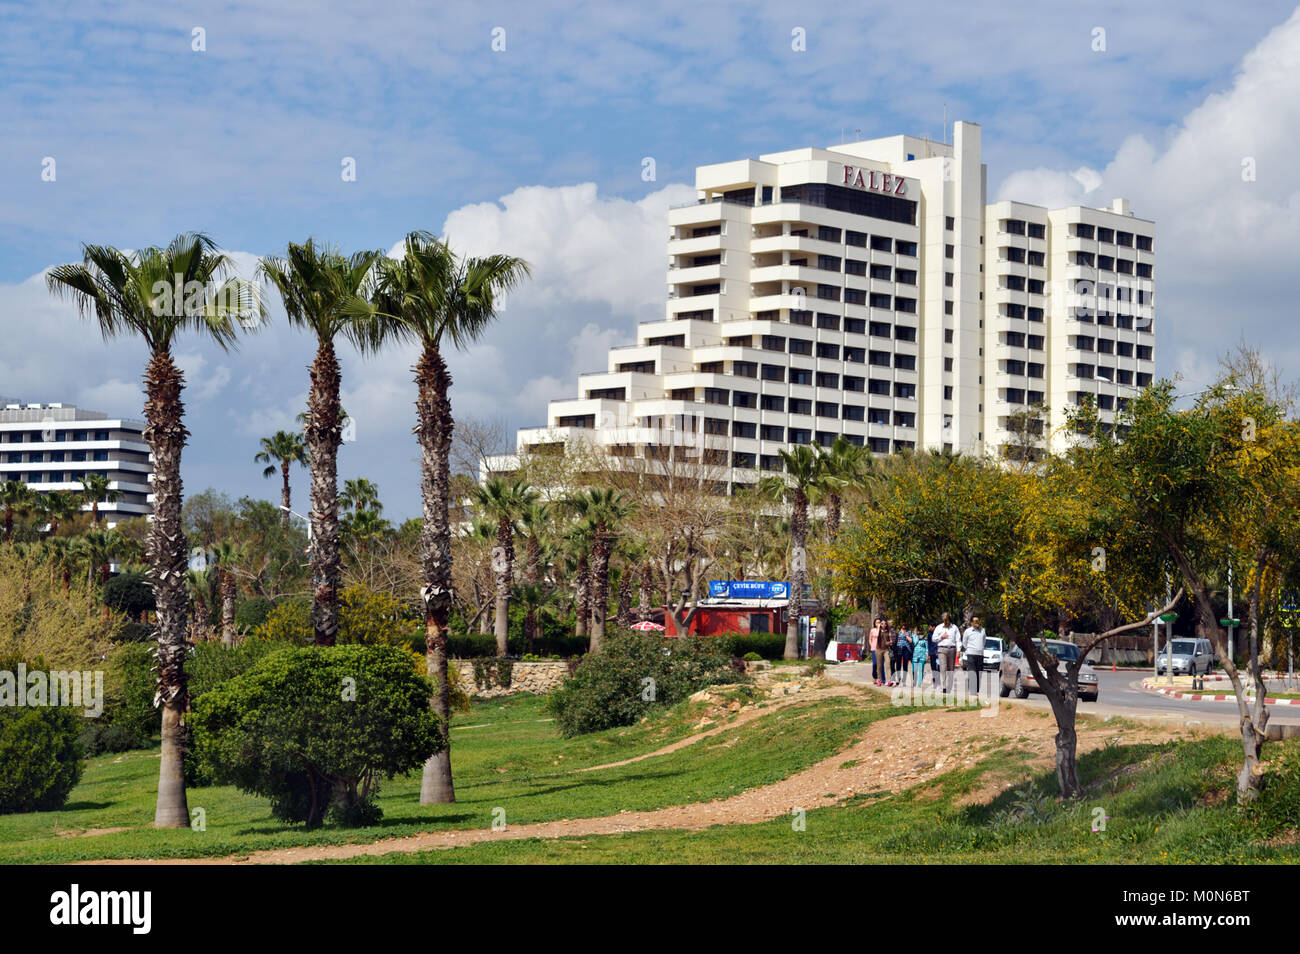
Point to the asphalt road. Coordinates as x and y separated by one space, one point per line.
1121 695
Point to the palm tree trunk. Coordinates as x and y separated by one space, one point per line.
434 430
285 498
505 540
227 608
168 560
625 598
599 589
643 593
798 532
323 439
581 607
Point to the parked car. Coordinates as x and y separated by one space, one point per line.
992 653
1016 678
1191 656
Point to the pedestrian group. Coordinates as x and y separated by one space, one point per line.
895 651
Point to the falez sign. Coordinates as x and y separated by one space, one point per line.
749 589
876 181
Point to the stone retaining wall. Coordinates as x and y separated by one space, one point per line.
536 677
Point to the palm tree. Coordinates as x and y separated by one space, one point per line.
314 284
285 448
431 296
803 468
360 494
101 547
539 600
845 466
63 553
55 506
16 498
227 556
605 512
364 526
199 583
94 489
131 294
504 501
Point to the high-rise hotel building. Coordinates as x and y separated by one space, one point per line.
50 447
870 290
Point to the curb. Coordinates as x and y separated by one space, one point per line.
1220 697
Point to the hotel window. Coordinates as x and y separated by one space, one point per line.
1106 263
853 412
855 296
1144 352
744 369
947 308
1124 266
1016 368
907 305
801 376
1037 259
905 362
904 333
856 239
947 279
905 248
828 293
800 406
1124 349
1143 270
828 322
948 222
827 409
798 317
740 459
947 364
1083 231
1034 314
825 438
855 355
744 429
1014 282
905 419
1013 310
1124 321
741 341
1037 230
877 415
1124 238
826 379
1144 243
880 329
829 351
876 386
827 234
773 343
1105 235
1035 286
853 267
1105 346
770 462
1123 377
744 399
772 402
828 263
855 326
800 346
1015 338
1084 258
878 445
1034 342
1082 342
852 383
948 251
1015 396
714 425
772 432
1015 254
947 336
1105 402
682 394
880 359
1014 226
882 243
1143 379
903 389
947 392
103 455
1085 371
773 372
800 435
1033 370
882 272
1035 397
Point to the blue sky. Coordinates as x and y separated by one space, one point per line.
537 150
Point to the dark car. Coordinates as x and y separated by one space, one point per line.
1016 678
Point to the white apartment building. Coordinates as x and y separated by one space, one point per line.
869 290
49 447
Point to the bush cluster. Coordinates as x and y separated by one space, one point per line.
633 673
40 751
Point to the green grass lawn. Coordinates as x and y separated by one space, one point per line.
1161 805
1165 803
505 753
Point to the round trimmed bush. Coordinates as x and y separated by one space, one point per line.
40 753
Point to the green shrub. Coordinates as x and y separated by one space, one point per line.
767 645
634 672
253 612
129 719
130 594
315 729
475 645
40 752
752 657
210 663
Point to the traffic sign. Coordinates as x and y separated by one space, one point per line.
1227 621
1168 617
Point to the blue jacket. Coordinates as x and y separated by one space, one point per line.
921 650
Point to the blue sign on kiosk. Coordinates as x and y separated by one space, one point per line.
749 589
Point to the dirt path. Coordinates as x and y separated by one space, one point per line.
892 755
